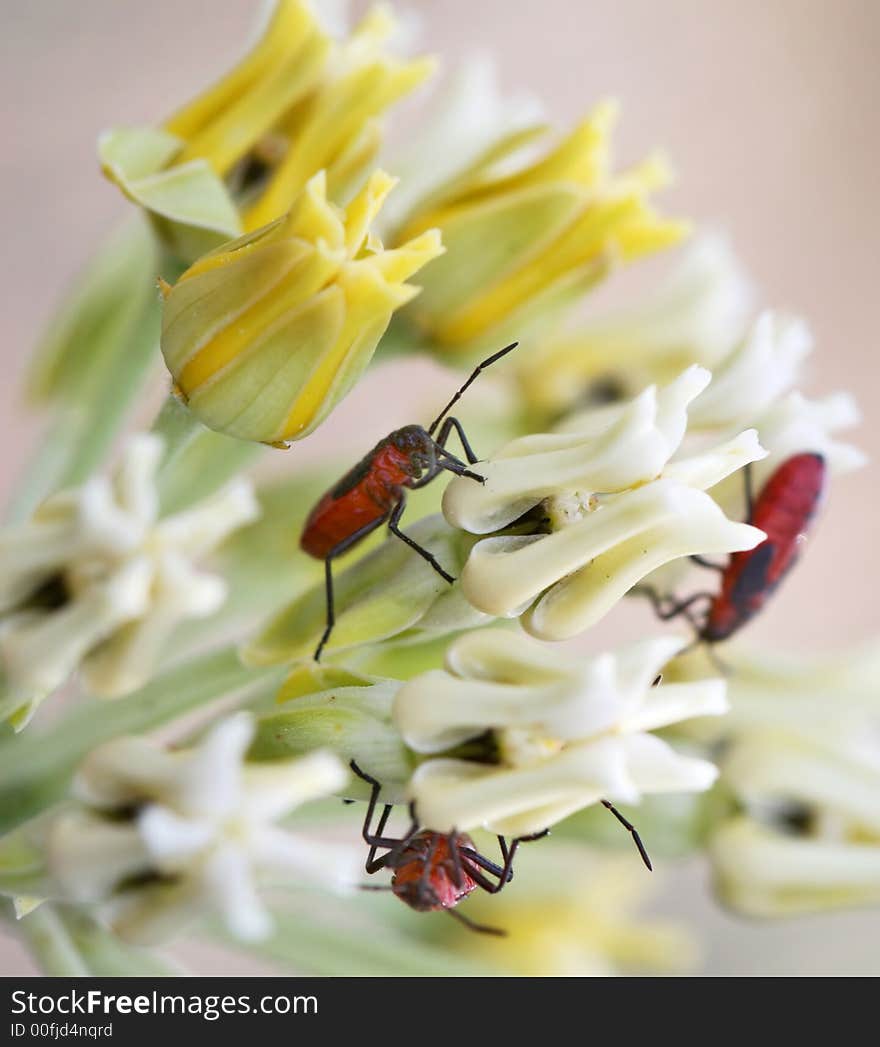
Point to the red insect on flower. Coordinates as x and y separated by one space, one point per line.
784 510
435 871
374 491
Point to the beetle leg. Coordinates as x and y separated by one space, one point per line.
748 484
427 478
505 874
457 868
720 567
631 829
445 432
338 550
375 840
425 555
424 885
374 864
480 928
665 611
328 603
451 464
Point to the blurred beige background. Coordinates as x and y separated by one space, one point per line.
768 111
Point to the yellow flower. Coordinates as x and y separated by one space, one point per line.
533 237
227 120
237 156
266 334
335 128
572 914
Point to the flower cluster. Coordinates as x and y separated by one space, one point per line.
617 448
158 836
236 157
96 581
805 833
564 732
610 504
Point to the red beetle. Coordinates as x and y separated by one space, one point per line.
375 491
783 510
435 871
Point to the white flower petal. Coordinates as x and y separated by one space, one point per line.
228 880
134 483
765 873
124 771
171 840
756 375
639 439
656 767
774 767
273 790
88 855
200 530
597 560
211 780
126 580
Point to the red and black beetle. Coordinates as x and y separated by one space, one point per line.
375 490
435 871
784 510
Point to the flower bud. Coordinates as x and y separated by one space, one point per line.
265 335
696 316
517 242
237 156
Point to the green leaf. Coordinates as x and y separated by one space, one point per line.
188 204
340 938
353 721
387 592
36 767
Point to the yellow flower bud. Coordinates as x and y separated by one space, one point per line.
237 156
266 334
335 129
225 121
523 240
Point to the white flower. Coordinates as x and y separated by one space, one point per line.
828 700
751 378
161 835
801 756
567 731
755 386
617 508
810 835
696 316
96 581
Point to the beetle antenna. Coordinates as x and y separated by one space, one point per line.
482 367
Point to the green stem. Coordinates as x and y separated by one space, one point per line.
23 866
50 944
197 460
82 431
106 955
178 427
309 944
36 767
